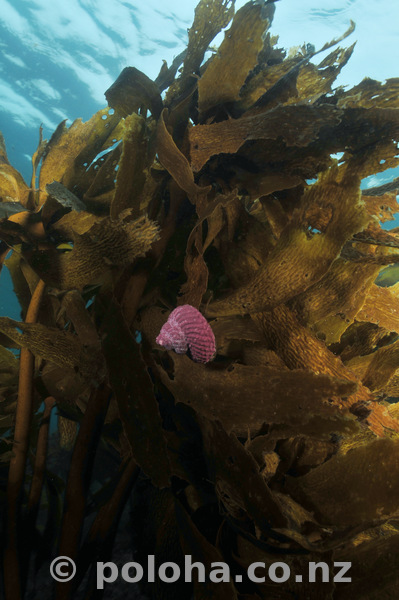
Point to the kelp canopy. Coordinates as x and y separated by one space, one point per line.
231 183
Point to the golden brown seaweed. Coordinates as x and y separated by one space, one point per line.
236 57
224 194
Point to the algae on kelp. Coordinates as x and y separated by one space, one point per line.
284 447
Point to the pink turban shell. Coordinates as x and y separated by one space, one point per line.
186 329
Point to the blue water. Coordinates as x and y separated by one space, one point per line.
57 59
8 305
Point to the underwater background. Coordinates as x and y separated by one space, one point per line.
57 59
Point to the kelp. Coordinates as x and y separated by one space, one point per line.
13 187
24 278
348 281
211 16
174 161
59 347
381 307
369 467
130 178
8 391
134 91
134 393
224 193
250 386
235 58
299 258
70 152
105 245
227 137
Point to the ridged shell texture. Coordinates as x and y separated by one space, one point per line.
186 329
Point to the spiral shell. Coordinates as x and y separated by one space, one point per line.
186 329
